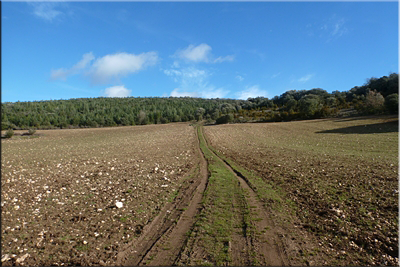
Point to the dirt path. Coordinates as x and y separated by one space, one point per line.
182 233
262 236
163 240
264 241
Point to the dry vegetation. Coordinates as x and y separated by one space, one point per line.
341 176
74 197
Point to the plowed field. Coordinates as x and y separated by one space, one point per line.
340 176
61 192
322 192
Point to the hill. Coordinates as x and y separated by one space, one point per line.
376 96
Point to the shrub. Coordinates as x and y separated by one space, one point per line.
309 105
392 103
5 125
31 131
9 133
224 119
373 102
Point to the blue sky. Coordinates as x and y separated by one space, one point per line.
63 50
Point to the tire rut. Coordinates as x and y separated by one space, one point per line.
163 240
256 241
265 247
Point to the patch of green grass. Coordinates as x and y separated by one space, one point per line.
264 190
82 247
124 219
173 195
65 238
217 219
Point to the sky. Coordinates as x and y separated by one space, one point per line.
237 50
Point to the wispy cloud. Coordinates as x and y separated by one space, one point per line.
61 74
333 28
329 29
338 28
275 75
253 91
117 91
176 93
200 53
46 10
117 65
222 59
210 92
259 54
305 78
194 82
240 78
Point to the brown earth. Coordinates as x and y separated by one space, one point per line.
268 248
331 197
163 240
60 190
341 176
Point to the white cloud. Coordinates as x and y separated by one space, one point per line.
253 91
117 91
120 64
305 78
109 67
187 76
86 58
45 10
198 53
193 82
176 93
61 74
209 92
240 78
222 59
176 64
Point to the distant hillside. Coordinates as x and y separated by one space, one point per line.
374 97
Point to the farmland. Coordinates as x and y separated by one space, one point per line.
59 191
317 192
340 174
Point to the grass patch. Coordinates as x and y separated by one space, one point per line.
264 190
217 218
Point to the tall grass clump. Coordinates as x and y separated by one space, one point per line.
31 131
9 133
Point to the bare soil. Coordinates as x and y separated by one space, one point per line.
341 176
163 240
61 190
322 192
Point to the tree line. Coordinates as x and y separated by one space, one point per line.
376 96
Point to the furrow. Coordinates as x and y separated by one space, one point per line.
163 240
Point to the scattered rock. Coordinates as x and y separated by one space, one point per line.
22 259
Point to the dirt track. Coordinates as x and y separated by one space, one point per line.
162 241
174 237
